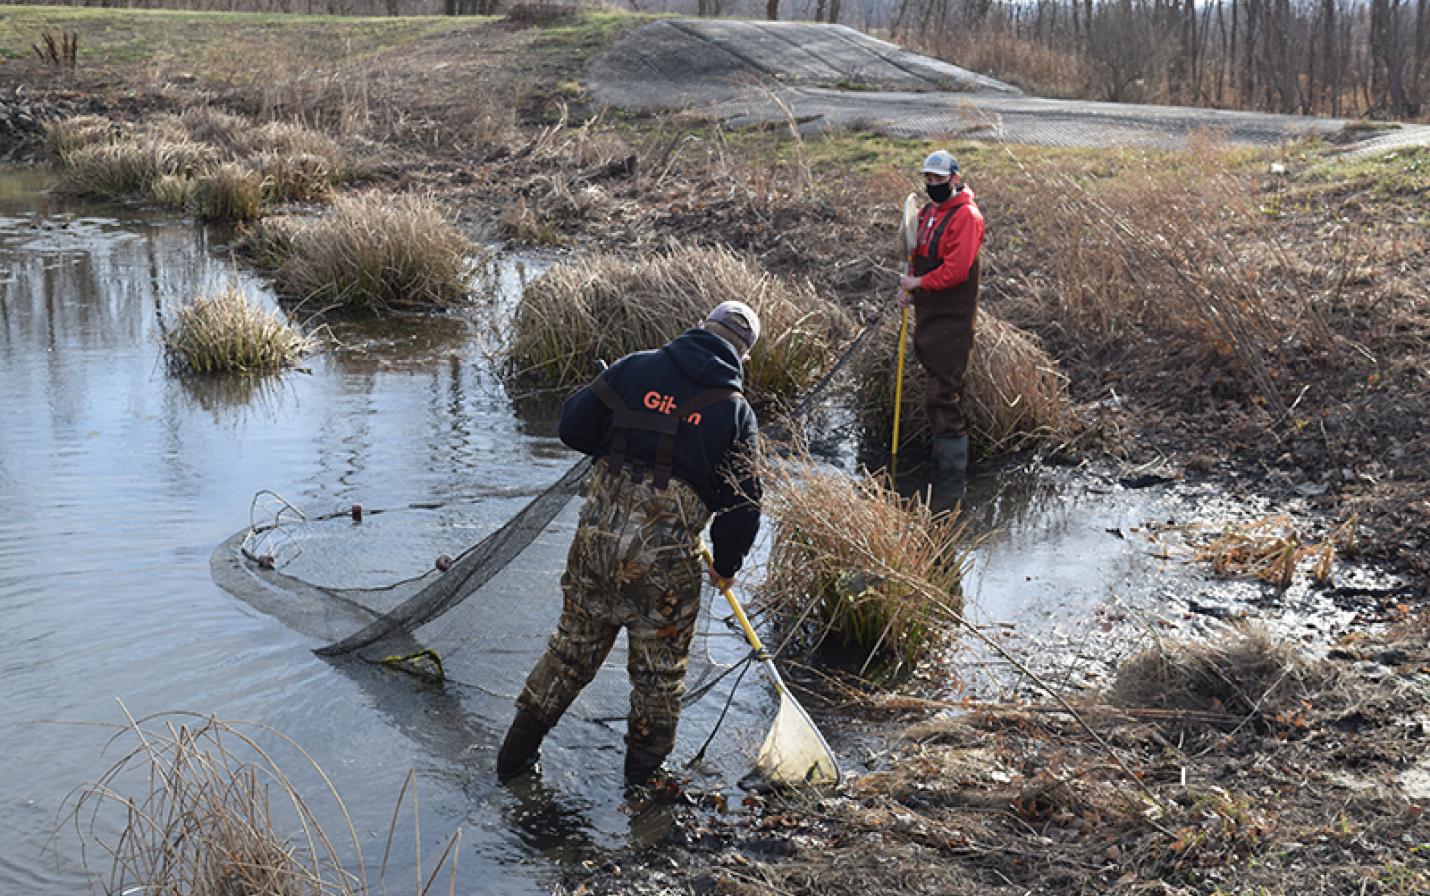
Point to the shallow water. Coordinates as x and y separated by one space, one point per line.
118 480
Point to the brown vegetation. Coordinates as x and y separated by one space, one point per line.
875 576
201 807
218 166
225 332
374 253
609 306
1257 771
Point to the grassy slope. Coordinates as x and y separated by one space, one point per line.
123 37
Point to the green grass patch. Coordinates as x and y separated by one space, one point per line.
589 30
1391 174
127 36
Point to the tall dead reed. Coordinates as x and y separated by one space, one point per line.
1014 392
225 332
378 253
1171 255
858 567
606 307
201 807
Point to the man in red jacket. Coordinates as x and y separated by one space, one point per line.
943 287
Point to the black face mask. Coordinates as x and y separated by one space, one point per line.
939 192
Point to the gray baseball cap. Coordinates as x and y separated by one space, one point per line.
940 162
739 319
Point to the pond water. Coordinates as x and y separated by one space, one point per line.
118 480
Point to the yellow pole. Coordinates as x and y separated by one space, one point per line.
735 607
899 394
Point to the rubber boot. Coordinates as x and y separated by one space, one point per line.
522 747
641 763
950 460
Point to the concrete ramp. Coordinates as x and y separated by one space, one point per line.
689 59
831 77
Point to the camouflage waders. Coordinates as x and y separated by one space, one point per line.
634 562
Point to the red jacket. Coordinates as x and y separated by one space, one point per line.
961 241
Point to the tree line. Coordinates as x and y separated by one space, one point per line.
1333 57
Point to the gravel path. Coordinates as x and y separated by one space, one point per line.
830 76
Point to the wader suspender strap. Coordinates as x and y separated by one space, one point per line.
665 426
936 259
665 448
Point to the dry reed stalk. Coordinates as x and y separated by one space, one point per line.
872 571
225 332
201 807
1271 549
1014 392
202 822
607 307
1173 251
378 253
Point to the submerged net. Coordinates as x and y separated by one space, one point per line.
337 578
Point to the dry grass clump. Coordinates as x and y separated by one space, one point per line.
64 137
217 165
1014 392
228 192
269 240
200 807
128 168
872 574
300 177
1243 674
225 332
1163 260
214 126
376 252
606 307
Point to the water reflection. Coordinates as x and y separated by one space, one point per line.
119 478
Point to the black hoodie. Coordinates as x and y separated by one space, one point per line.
709 457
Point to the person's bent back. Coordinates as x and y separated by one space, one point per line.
675 442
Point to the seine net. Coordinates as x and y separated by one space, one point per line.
478 621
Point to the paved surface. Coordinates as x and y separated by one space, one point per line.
830 77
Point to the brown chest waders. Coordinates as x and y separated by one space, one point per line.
943 339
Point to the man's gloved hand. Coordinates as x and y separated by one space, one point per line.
718 580
905 298
909 283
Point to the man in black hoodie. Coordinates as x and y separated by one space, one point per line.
675 442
